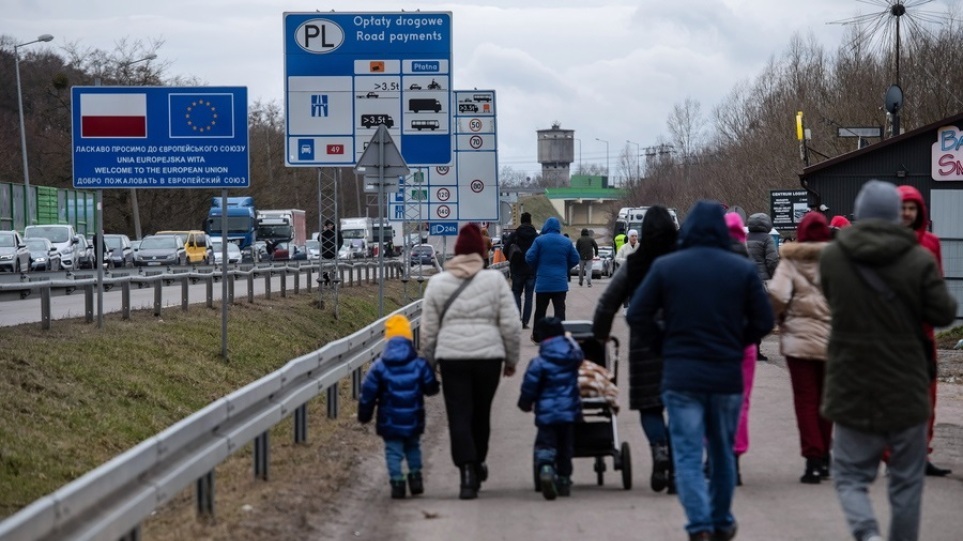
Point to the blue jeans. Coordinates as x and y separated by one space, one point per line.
523 283
397 450
704 422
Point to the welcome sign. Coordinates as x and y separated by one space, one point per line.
947 154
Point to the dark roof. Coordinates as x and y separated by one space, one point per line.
881 145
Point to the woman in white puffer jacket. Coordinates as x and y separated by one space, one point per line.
474 343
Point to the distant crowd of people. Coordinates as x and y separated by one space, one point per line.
855 303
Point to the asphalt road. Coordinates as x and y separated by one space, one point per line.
772 504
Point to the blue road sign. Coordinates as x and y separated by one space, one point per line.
348 73
160 137
443 228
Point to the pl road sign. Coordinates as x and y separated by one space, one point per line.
443 228
348 73
159 137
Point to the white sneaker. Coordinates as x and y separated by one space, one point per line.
625 311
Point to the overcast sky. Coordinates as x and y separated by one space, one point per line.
608 69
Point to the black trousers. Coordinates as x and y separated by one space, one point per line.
557 298
469 387
555 445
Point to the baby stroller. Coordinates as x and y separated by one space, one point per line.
597 434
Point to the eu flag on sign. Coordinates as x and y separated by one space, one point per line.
202 115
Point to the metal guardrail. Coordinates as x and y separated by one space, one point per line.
111 501
347 274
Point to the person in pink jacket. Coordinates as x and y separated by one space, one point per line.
737 231
804 323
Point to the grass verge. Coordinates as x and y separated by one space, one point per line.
75 396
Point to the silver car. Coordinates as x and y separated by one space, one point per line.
44 256
14 254
156 250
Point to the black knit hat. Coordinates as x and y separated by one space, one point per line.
549 327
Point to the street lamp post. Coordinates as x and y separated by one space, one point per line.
134 205
579 141
606 155
638 154
23 127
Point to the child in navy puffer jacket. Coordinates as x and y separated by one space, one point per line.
551 386
397 383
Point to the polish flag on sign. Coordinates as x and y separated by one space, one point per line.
113 115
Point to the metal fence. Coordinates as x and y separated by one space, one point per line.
348 274
111 502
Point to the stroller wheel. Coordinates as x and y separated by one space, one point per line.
599 470
626 466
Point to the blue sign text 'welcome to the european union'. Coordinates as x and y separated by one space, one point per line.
160 137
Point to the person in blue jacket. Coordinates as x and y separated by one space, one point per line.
551 386
551 256
397 383
701 306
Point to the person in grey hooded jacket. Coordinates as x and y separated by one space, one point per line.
763 251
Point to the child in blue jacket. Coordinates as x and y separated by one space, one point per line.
397 383
551 386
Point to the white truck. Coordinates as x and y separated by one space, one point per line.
363 235
286 225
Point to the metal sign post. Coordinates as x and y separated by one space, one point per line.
381 162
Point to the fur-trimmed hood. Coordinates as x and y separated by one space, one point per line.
802 251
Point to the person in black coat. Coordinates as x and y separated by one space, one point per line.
331 240
645 366
523 277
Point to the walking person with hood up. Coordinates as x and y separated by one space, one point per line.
645 365
915 217
881 287
803 317
762 250
551 256
712 305
470 330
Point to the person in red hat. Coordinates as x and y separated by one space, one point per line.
838 222
804 325
914 216
470 329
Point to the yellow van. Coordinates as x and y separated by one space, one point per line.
197 246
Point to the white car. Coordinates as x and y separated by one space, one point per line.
233 252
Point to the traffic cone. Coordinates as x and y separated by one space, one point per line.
498 257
